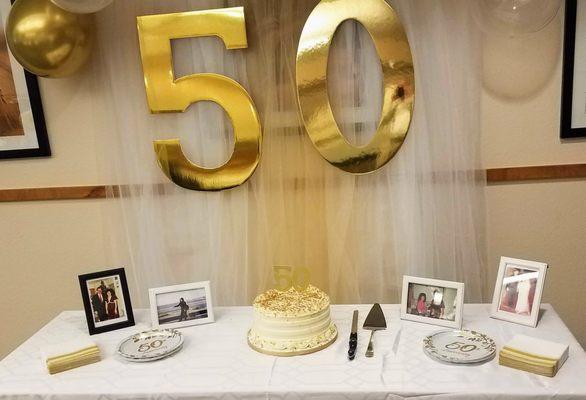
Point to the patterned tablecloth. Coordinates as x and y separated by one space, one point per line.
216 362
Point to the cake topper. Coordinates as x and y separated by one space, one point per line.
286 277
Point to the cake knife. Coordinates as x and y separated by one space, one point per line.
353 336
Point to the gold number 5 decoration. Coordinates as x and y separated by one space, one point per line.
390 40
167 94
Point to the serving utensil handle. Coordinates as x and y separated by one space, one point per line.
370 349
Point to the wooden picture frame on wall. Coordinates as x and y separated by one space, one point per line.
573 107
23 132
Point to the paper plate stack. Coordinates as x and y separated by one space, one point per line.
151 345
459 347
534 355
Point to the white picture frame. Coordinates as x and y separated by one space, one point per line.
196 296
512 303
450 315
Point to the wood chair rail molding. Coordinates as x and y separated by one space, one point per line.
535 173
55 193
494 176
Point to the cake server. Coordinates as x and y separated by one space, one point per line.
375 320
353 336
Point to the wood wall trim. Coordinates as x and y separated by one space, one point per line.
493 176
537 172
54 193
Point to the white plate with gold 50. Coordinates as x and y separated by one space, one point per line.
459 347
151 345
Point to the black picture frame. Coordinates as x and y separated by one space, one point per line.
34 95
566 130
44 149
87 302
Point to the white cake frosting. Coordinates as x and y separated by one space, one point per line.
291 322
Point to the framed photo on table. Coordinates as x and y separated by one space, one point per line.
106 300
573 112
23 132
518 289
181 305
432 301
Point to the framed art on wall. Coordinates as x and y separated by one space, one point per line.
432 301
106 300
573 110
517 293
22 123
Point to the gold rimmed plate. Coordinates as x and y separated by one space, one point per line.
151 345
459 347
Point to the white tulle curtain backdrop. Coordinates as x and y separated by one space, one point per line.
421 214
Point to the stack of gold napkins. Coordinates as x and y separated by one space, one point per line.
73 354
534 355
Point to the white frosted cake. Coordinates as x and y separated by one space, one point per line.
291 322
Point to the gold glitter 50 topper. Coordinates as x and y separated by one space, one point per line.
287 277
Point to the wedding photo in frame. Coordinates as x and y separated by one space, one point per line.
106 300
23 132
179 306
518 289
432 301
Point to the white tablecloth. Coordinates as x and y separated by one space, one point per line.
217 363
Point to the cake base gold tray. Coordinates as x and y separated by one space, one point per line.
292 353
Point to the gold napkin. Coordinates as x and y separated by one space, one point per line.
73 354
534 355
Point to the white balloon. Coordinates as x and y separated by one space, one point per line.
517 68
82 6
514 17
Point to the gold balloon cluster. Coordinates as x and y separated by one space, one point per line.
47 40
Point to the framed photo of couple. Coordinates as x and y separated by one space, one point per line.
518 289
106 300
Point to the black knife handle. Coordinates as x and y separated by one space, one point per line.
353 343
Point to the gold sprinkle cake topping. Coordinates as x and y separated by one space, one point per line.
291 302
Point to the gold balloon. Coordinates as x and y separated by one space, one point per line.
392 46
167 94
47 40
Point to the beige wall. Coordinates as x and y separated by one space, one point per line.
68 107
543 221
46 245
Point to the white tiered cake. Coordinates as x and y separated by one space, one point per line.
292 322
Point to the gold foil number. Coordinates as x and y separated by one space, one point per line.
390 40
287 277
167 94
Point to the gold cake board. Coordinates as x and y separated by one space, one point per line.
292 353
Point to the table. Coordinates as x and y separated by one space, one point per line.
217 363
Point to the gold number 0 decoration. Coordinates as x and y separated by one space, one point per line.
167 94
390 40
